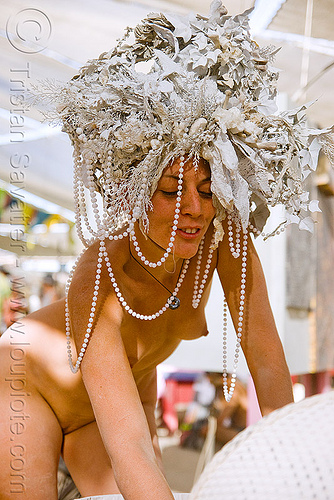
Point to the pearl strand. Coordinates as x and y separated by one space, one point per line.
83 207
78 201
235 249
228 391
197 295
174 226
81 203
93 197
279 230
75 368
81 215
123 302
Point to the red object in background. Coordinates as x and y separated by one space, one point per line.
315 383
179 389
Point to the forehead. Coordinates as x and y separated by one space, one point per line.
200 169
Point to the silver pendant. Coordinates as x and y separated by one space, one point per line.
173 302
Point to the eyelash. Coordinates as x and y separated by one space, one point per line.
174 193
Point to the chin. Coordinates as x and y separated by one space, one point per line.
186 251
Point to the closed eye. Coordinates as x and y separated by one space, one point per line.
169 193
206 194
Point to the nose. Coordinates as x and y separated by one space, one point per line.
191 203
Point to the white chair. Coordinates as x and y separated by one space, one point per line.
288 455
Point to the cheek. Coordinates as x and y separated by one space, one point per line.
161 216
162 208
210 211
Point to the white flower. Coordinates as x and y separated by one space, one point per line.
198 126
314 206
201 41
230 119
307 224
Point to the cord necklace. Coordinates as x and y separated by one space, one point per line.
174 302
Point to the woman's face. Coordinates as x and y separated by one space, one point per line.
196 210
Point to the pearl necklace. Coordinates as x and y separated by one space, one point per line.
228 391
79 199
169 303
280 229
103 255
235 248
83 169
197 295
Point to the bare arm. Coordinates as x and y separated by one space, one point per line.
113 394
260 341
148 396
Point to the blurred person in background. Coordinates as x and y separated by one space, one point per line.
197 412
231 417
49 292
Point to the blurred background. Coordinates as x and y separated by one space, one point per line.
43 39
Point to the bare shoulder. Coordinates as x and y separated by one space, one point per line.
85 273
85 286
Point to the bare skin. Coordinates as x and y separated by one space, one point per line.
102 418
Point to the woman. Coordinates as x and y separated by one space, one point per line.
103 422
158 149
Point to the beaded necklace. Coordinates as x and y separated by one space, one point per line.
197 295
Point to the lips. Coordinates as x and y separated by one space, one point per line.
189 232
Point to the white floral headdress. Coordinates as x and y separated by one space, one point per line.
209 92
